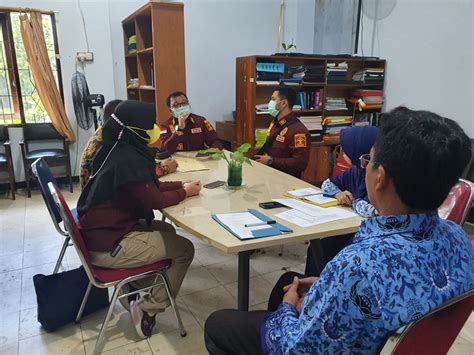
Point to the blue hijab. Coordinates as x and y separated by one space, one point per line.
355 141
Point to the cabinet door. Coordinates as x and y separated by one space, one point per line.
318 167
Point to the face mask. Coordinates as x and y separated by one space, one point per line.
153 134
178 111
272 110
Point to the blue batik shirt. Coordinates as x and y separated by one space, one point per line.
397 269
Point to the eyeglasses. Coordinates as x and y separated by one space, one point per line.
364 160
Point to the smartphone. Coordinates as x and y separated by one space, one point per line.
214 184
271 204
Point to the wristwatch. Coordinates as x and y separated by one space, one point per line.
178 129
270 161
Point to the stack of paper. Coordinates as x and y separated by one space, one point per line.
190 164
313 196
306 215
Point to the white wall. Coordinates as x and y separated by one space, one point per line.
429 49
216 32
71 40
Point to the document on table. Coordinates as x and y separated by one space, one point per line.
190 164
306 215
313 195
304 192
236 222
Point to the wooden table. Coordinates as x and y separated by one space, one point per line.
262 183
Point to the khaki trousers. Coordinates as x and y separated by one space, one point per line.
159 242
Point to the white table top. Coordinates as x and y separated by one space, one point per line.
262 184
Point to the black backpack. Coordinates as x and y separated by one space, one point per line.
60 295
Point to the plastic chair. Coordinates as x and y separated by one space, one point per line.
435 332
458 203
44 176
44 132
6 161
117 278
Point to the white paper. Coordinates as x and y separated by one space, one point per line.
320 199
237 221
304 207
304 192
303 220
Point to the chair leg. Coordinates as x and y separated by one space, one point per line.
163 218
84 302
27 180
100 339
169 291
61 254
12 186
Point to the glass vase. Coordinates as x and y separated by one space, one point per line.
234 176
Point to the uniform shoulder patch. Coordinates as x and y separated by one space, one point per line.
300 140
208 125
180 146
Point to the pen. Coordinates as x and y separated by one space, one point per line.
259 224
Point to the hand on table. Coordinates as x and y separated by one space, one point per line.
171 163
262 159
192 188
344 198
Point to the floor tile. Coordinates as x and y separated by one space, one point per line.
11 241
9 349
43 242
461 349
210 255
9 322
270 261
196 280
141 347
119 332
202 304
29 325
11 262
172 343
40 257
10 301
67 340
10 280
259 290
45 269
227 272
166 321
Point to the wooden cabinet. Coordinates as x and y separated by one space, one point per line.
158 62
249 93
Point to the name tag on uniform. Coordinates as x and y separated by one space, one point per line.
196 130
280 139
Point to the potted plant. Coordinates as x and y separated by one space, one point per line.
234 162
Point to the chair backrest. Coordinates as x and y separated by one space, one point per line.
436 331
73 230
4 134
457 204
340 164
44 176
40 131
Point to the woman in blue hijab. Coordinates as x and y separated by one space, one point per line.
349 187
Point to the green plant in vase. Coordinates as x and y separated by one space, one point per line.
234 162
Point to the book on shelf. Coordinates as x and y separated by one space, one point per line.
312 122
270 67
335 103
308 73
291 81
336 72
310 100
370 75
367 99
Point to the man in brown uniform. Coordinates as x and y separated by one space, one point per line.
287 144
184 130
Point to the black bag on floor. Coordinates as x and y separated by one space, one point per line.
60 295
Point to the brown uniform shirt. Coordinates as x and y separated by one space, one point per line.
198 134
290 149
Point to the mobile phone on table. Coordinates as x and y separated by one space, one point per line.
270 204
214 184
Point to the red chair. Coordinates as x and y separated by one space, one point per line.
458 203
435 332
117 278
340 164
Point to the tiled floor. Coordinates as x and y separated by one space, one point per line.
29 245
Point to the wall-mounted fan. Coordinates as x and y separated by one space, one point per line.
85 103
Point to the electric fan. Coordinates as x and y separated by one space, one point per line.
85 103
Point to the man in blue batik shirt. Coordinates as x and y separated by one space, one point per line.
400 265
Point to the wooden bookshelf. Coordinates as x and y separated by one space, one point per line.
159 61
249 94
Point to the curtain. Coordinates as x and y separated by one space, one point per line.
37 54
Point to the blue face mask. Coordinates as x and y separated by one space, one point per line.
272 110
178 111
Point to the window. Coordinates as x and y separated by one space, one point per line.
19 99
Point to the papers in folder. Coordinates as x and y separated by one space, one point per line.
236 222
312 196
190 164
306 215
